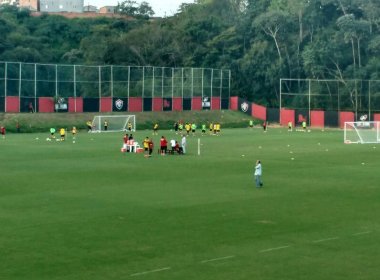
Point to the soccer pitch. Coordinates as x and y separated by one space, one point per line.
87 211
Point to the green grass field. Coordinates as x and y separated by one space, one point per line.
87 211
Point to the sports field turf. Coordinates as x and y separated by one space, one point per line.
87 211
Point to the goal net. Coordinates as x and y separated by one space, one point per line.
361 132
114 123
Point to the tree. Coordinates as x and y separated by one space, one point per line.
354 30
132 9
273 23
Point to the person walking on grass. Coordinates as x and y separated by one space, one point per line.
2 131
257 174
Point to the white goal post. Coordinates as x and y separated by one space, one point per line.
114 123
362 132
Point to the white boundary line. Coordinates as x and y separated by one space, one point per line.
361 233
324 240
151 271
273 249
217 259
233 256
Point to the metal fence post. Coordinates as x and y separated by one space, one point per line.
202 81
172 85
129 80
143 88
19 87
192 84
309 120
75 86
35 86
153 81
229 88
182 86
112 87
100 88
56 80
221 83
162 81
212 81
369 100
281 100
5 85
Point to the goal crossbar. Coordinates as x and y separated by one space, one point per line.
363 132
114 123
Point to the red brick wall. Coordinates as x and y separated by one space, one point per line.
345 117
196 103
317 119
286 116
157 104
177 104
135 104
105 104
215 103
12 104
259 112
75 104
46 105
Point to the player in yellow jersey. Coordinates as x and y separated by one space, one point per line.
215 128
89 125
74 132
187 128
218 128
146 145
155 129
62 132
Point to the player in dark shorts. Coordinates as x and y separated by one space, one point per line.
151 146
146 145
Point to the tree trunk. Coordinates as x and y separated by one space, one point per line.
353 56
278 47
359 56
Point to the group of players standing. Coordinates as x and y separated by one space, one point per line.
62 133
179 126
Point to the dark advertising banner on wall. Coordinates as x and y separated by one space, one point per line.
244 106
206 103
61 105
331 119
225 104
167 104
120 104
2 104
273 115
90 104
186 104
364 117
28 105
147 104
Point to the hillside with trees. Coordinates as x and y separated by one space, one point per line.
261 41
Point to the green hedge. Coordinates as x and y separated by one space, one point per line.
40 122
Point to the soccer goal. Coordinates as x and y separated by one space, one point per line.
114 123
361 132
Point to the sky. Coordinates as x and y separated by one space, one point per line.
161 8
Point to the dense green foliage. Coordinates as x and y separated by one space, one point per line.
261 41
86 211
43 122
